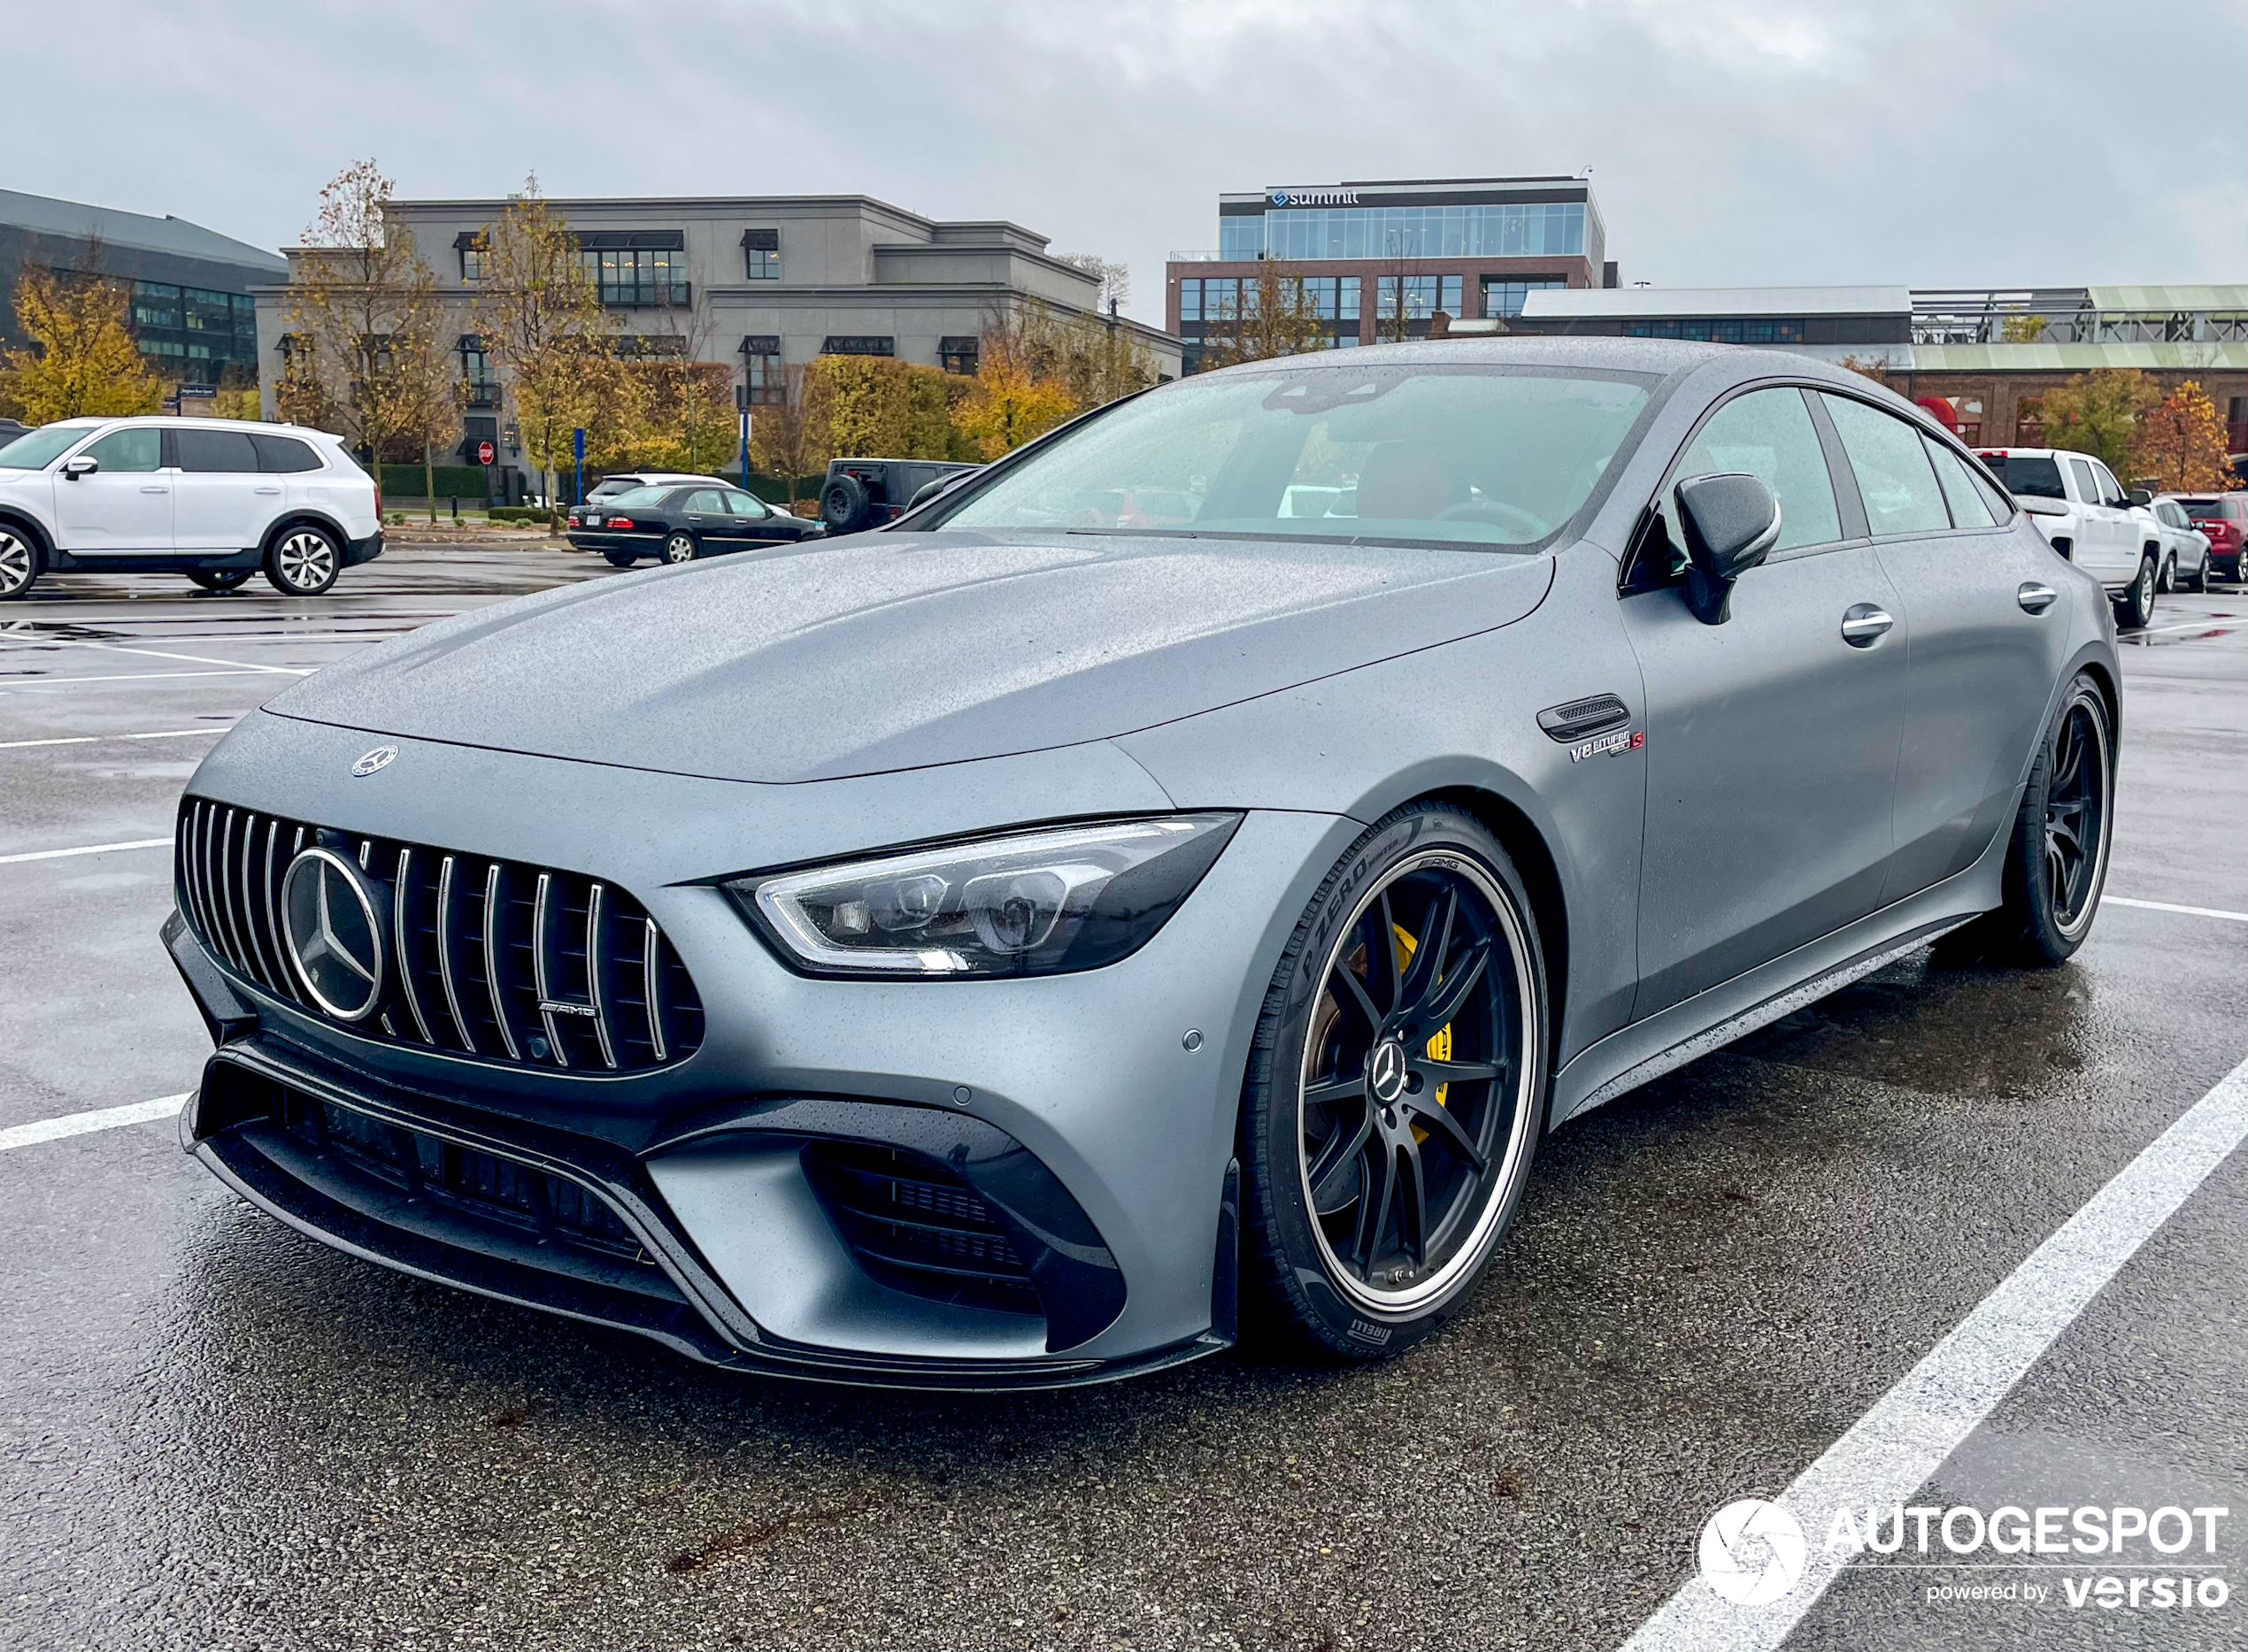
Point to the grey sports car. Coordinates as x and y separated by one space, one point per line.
1027 944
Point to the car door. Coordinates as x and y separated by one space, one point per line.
2108 547
1986 640
215 490
124 507
704 512
756 522
1771 741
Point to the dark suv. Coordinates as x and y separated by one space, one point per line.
860 494
2224 519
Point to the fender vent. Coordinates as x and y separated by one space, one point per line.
1573 722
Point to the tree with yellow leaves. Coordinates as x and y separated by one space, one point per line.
82 359
2181 446
1009 403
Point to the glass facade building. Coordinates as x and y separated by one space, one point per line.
195 335
1483 230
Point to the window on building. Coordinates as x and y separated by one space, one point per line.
1503 294
156 305
472 263
2028 425
1720 330
856 344
635 276
763 382
1491 230
476 372
761 253
1419 296
1190 299
1242 237
958 355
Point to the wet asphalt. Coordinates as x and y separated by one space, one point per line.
216 1433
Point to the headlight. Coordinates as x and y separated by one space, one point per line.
1031 903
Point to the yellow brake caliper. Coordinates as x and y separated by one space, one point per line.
1440 1046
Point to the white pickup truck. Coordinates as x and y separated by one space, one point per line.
2088 517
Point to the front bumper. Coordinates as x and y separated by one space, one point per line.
1096 1145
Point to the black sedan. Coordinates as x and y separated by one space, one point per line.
680 523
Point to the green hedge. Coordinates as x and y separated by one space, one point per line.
520 513
452 481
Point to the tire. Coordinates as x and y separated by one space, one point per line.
845 505
2047 915
20 563
2201 580
1337 1127
680 547
222 579
2134 609
304 562
618 559
2167 581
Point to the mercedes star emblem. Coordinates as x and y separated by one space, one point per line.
335 927
1385 1071
381 757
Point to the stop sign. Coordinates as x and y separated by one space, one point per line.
483 453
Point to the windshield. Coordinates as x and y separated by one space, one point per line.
39 449
2199 510
1453 455
2027 478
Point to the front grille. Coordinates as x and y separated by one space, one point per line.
493 959
549 1208
916 1227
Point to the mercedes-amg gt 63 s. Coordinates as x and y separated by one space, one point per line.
1025 944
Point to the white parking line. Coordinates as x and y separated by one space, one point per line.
1889 1452
139 676
199 659
2164 906
84 1124
87 740
90 849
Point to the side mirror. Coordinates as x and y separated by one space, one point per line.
1731 521
2140 495
2037 504
73 469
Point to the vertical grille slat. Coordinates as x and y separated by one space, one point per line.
558 969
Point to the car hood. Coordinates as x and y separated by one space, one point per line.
891 651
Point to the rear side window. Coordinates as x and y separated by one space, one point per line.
1769 434
1967 508
708 502
1891 462
2111 491
129 451
2087 484
205 451
284 456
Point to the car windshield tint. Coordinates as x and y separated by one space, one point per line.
1467 455
40 447
2027 478
637 499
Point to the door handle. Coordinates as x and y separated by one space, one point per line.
1863 624
266 490
156 490
2036 598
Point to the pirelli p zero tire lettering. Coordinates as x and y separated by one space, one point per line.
1396 1091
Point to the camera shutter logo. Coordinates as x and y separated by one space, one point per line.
381 757
334 928
1752 1552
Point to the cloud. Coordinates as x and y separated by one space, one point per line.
1733 141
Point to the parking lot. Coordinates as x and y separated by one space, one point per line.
217 1434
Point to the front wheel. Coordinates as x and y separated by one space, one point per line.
680 547
2136 610
1397 1089
18 564
304 562
221 579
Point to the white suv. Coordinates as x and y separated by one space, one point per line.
216 499
2084 513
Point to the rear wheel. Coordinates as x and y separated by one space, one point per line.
2134 609
304 562
2168 581
2057 861
18 564
618 560
1397 1089
2199 582
680 547
221 579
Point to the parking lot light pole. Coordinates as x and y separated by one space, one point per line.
577 454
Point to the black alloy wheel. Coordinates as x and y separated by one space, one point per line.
1397 1094
221 579
680 547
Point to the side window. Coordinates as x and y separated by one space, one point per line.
283 455
1967 508
131 451
1891 462
746 504
2001 508
707 503
227 450
2111 491
1769 434
2087 484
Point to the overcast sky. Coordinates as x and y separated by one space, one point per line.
1933 143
